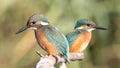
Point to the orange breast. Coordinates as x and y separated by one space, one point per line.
49 47
81 42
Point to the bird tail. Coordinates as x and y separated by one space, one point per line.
67 58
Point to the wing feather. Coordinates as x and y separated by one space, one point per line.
58 39
72 36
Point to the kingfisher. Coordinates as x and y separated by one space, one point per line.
80 37
48 37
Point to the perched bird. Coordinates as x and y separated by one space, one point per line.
48 37
81 36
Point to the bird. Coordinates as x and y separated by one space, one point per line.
80 37
48 37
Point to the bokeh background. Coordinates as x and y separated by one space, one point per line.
18 51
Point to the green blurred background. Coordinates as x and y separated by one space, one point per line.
18 51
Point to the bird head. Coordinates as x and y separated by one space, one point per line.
34 22
87 25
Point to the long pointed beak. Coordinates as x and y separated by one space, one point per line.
22 29
99 27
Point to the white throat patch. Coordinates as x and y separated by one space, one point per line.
79 28
34 28
44 23
89 30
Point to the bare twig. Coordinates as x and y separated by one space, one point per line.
50 61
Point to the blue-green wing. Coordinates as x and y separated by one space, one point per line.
59 41
72 36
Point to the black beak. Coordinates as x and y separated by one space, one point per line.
22 29
99 27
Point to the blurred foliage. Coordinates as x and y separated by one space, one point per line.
18 51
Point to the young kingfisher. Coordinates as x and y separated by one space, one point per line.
81 36
48 37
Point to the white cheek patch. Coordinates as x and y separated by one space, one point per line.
44 23
34 28
79 28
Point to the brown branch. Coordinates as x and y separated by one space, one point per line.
50 61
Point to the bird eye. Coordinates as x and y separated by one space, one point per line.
33 22
88 25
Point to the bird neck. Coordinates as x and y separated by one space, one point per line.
86 34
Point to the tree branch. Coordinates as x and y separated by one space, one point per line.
50 61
